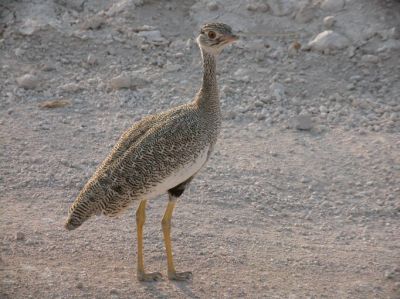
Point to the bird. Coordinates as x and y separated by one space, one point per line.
160 154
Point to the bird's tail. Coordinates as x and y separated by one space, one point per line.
82 208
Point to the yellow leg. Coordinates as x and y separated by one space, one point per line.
140 219
166 227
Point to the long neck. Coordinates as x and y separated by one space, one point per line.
207 97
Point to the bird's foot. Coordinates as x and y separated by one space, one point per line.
180 275
152 276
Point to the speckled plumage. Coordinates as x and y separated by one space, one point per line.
154 149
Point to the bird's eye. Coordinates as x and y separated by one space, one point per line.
211 34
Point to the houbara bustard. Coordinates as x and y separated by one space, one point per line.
159 154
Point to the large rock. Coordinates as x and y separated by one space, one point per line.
328 40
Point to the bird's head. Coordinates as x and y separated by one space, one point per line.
214 37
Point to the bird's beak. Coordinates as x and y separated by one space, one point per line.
231 38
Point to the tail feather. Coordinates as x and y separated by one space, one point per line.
80 211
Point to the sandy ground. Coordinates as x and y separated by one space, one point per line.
301 198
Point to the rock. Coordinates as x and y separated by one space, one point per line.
277 90
28 81
121 81
71 87
125 80
257 7
91 59
294 48
332 5
329 21
79 285
20 236
153 36
305 14
303 122
369 59
19 52
328 40
282 7
93 23
212 6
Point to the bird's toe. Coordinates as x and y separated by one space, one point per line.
180 275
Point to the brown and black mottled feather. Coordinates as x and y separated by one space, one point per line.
154 149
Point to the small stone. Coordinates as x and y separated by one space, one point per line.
332 5
212 6
329 21
79 285
278 90
93 23
20 236
28 81
328 40
305 14
257 7
19 52
121 81
153 36
48 67
71 87
303 122
368 58
294 48
91 60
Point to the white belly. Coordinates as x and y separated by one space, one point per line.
179 176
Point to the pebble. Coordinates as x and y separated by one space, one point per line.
121 81
212 6
20 236
153 36
278 90
128 80
93 23
71 87
91 59
328 40
329 21
257 7
79 285
294 48
305 14
28 81
368 58
303 122
332 5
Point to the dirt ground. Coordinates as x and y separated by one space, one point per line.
301 198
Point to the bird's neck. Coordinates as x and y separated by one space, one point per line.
207 97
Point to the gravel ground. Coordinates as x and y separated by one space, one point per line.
301 198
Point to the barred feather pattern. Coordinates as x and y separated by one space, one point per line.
150 151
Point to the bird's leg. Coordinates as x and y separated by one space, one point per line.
166 227
140 219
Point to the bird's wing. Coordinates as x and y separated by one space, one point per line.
134 133
151 151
